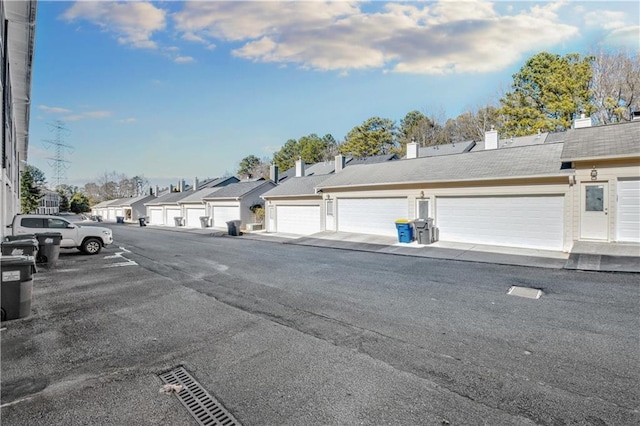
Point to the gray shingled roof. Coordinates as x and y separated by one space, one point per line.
527 161
610 141
170 198
239 189
536 139
297 186
446 149
128 202
371 160
102 204
197 196
212 183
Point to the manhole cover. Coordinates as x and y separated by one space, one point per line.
203 407
529 293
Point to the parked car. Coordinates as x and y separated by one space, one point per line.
87 239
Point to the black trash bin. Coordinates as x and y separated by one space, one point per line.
21 247
204 221
178 220
423 230
48 248
233 226
119 219
143 221
16 286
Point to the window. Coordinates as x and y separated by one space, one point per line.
329 207
594 198
57 223
422 209
30 222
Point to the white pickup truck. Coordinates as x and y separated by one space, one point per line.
88 239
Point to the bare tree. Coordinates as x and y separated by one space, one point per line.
615 85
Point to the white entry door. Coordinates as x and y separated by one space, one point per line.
594 211
629 210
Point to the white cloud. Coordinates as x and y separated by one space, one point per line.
626 36
132 22
427 38
127 120
87 114
97 114
54 110
183 60
606 19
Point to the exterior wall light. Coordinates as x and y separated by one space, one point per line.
594 173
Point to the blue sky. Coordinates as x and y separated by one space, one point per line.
173 89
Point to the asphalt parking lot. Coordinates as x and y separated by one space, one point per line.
286 335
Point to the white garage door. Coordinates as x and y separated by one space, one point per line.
193 217
528 222
171 215
111 214
629 210
223 214
371 215
155 216
302 220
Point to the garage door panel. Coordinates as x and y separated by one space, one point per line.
193 217
155 216
530 222
171 215
301 220
371 215
223 214
628 228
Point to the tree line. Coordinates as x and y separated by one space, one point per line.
546 94
109 186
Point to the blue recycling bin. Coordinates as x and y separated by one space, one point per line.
405 231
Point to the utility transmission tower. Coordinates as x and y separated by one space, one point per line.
60 148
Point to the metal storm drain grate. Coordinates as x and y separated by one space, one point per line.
530 293
203 407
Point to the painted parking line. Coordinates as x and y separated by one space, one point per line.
119 255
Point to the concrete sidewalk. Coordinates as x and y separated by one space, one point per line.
585 256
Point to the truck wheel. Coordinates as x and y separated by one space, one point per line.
91 246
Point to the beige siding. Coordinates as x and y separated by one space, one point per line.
609 171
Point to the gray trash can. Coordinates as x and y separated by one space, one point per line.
16 286
204 221
233 226
178 220
21 247
48 248
423 230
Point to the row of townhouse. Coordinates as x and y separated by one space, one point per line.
543 191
